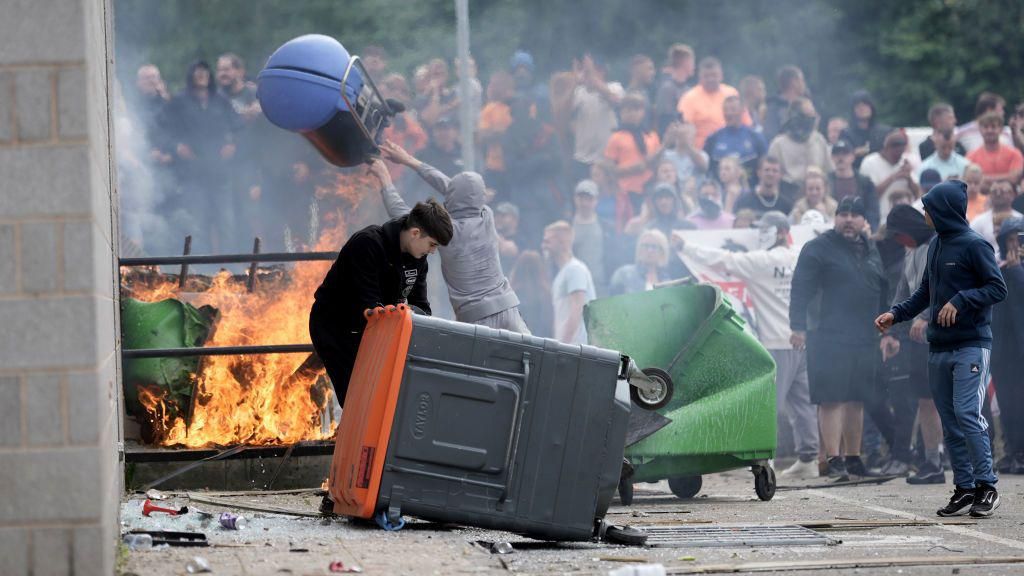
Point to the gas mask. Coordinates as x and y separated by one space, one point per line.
709 208
801 126
767 236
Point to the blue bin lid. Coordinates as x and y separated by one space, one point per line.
314 53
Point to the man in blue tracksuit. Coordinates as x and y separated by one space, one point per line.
960 286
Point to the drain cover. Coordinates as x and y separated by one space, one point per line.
726 536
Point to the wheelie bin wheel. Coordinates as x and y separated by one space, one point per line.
685 487
658 398
764 482
625 535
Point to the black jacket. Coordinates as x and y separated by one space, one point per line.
837 291
1008 329
962 270
371 270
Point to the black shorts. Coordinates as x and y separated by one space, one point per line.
841 372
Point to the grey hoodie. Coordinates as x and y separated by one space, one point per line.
477 287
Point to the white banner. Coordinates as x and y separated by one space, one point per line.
739 240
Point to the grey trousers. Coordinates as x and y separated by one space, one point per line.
793 398
509 319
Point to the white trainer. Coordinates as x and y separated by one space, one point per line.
801 469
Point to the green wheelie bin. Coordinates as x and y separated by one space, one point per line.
715 395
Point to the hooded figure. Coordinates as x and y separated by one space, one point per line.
477 287
873 134
961 285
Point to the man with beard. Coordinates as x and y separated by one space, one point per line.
960 287
800 145
838 279
768 272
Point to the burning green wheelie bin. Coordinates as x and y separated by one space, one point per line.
714 401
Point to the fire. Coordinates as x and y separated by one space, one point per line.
269 398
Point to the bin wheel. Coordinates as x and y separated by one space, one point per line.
764 482
685 487
625 535
657 399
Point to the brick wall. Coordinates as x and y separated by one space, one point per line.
60 477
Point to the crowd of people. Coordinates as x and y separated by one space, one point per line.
590 180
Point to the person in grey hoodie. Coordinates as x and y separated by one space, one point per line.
961 284
477 287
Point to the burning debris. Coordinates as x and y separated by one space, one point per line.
258 399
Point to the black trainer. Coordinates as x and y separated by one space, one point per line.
855 467
927 474
986 500
962 498
837 469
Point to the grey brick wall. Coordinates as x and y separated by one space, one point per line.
60 473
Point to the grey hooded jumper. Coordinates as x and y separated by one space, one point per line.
477 287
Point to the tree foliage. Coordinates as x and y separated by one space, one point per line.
909 54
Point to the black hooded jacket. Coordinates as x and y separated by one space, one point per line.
371 270
962 270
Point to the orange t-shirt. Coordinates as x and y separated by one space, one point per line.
703 109
495 116
1005 159
976 206
622 150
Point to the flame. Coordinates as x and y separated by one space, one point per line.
259 399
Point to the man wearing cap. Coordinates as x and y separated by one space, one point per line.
961 285
768 273
592 238
838 279
846 182
890 170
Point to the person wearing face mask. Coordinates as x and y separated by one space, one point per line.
800 145
837 281
710 215
768 274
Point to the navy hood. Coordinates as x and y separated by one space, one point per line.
946 203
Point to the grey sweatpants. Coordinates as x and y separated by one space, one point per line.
793 398
509 319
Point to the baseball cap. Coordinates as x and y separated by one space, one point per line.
842 146
930 177
852 204
588 187
773 218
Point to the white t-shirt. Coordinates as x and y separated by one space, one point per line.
768 275
573 277
984 224
593 121
877 168
955 165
